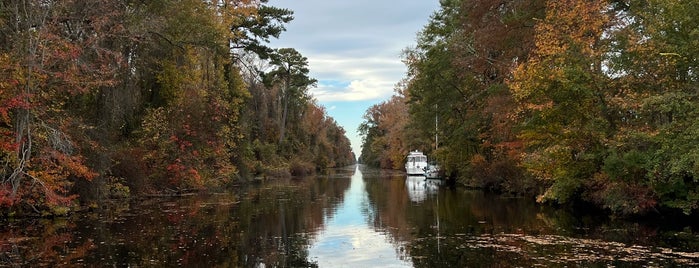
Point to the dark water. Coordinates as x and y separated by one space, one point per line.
355 217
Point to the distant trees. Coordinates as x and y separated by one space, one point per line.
383 130
568 101
106 98
279 96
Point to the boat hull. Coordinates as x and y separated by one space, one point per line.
415 171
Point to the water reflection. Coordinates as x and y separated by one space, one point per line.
419 187
353 217
443 226
347 240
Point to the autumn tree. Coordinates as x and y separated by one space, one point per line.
457 75
55 55
323 142
291 75
562 94
199 86
590 101
103 99
383 131
652 60
607 110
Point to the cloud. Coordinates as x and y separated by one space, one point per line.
357 90
353 47
354 79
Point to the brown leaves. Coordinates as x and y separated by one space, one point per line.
385 129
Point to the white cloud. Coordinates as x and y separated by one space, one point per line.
354 79
353 48
356 44
357 90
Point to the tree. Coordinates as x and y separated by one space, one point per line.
383 132
653 60
252 29
458 73
291 74
561 91
435 89
57 54
103 98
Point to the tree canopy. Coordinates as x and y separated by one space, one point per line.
566 101
102 99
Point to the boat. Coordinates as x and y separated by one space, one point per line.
416 163
432 171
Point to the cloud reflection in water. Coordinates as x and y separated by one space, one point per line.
349 241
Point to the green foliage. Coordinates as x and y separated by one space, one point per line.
252 31
291 75
117 189
457 75
656 53
150 92
562 99
569 101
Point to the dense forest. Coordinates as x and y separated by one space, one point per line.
566 101
103 99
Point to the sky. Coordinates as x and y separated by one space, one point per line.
353 50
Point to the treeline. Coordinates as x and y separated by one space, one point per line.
111 98
566 101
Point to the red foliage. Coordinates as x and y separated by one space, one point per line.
7 198
9 104
73 165
622 198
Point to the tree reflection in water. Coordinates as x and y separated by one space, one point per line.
347 240
352 217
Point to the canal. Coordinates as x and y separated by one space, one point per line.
353 217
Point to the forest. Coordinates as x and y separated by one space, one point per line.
106 99
569 102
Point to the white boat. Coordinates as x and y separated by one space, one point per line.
433 172
416 163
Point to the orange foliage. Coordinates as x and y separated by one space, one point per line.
56 57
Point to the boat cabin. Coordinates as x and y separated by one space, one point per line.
416 163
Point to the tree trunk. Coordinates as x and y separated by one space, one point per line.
285 109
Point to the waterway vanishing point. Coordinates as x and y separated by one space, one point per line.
352 217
